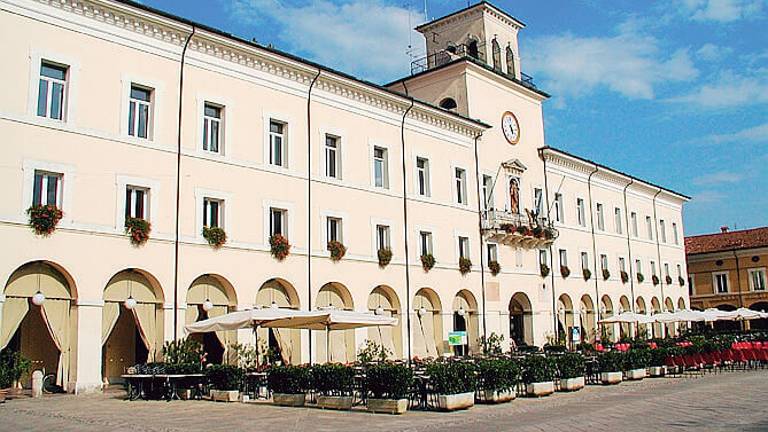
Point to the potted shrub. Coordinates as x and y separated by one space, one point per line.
640 277
44 218
385 257
454 383
288 384
279 246
624 277
138 230
636 362
522 230
570 369
389 384
587 273
611 364
465 265
497 379
337 250
565 271
427 261
606 274
668 279
495 267
655 279
656 361
215 236
680 280
13 366
538 375
544 269
334 384
225 381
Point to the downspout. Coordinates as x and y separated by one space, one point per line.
405 228
551 255
629 249
309 204
178 190
594 249
658 245
738 283
480 232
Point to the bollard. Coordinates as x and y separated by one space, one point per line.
37 384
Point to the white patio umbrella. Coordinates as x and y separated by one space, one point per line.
690 315
665 317
713 314
627 317
743 313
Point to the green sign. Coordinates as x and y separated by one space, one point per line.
457 338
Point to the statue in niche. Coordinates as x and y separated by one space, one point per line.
514 196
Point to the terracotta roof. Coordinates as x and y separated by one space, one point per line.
743 239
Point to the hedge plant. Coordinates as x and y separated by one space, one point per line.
537 368
333 379
389 380
570 365
452 377
497 374
289 379
224 377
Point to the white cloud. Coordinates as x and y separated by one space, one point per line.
729 90
722 11
708 197
365 38
753 134
711 52
721 177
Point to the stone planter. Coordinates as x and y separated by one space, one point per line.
495 396
289 400
636 374
657 371
335 402
388 406
540 389
225 395
571 384
610 378
456 401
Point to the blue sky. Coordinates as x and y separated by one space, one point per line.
673 91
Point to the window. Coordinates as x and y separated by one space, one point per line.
136 199
212 212
666 270
51 96
679 271
633 219
510 61
543 257
691 287
757 279
720 282
663 230
638 267
580 212
382 237
461 185
380 167
139 111
47 189
617 220
425 242
448 104
674 233
584 261
422 176
496 53
622 264
278 221
558 208
538 201
518 258
332 157
563 258
653 268
463 247
649 227
277 144
492 252
212 118
600 217
603 262
333 229
487 192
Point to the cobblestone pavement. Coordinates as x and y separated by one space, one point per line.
732 401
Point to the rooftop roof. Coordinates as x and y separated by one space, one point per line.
727 241
478 5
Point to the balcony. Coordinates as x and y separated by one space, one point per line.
517 230
446 56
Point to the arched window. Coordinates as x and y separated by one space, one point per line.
448 103
496 50
510 61
472 49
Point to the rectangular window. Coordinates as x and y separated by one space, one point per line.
580 214
460 176
277 221
332 157
492 252
649 227
139 111
543 257
638 267
422 169
633 219
47 189
136 199
603 262
720 282
622 264
425 242
212 212
679 271
653 268
663 230
563 258
600 217
559 208
674 233
666 270
212 128
277 144
382 237
617 220
487 192
584 261
538 201
691 287
463 247
52 89
757 279
380 167
333 229
518 258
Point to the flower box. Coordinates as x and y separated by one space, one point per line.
495 396
610 378
657 371
540 389
455 401
571 384
636 374
388 406
335 402
289 400
225 395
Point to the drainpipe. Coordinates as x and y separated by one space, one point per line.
738 279
178 190
594 248
658 245
629 249
405 228
309 204
480 232
551 255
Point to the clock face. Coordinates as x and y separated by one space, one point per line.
510 127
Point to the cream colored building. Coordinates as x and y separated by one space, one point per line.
118 110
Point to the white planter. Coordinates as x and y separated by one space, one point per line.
225 395
494 397
388 406
335 402
657 371
456 401
572 384
610 378
287 399
540 389
636 374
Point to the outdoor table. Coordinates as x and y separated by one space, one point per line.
422 388
255 382
171 384
136 385
360 389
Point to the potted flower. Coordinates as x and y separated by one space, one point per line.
680 280
279 246
668 279
44 218
337 250
288 384
640 277
497 378
570 368
465 265
521 230
454 383
656 361
624 277
385 257
606 274
388 384
215 236
611 365
334 384
587 273
636 362
427 261
13 366
138 230
655 279
495 267
544 270
538 375
225 381
565 271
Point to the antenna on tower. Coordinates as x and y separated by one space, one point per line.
426 15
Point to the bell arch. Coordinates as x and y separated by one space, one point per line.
465 318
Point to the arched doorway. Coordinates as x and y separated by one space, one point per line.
657 328
608 330
38 314
670 329
643 329
564 319
759 324
383 301
727 325
625 329
465 318
427 324
520 319
131 323
210 296
587 318
342 342
681 306
286 343
473 49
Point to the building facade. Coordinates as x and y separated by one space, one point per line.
197 132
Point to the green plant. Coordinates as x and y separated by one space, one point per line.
522 230
636 358
337 250
537 368
245 356
385 257
183 351
624 277
668 279
224 377
138 230
215 236
554 348
12 366
549 233
289 379
585 347
372 352
427 261
452 377
655 279
570 365
389 380
657 357
544 269
587 273
492 344
497 374
495 267
538 231
611 361
640 277
565 271
279 246
465 265
44 218
606 274
680 280
333 379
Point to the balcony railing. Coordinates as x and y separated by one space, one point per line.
517 229
446 56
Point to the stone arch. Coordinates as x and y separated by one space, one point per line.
521 319
565 318
657 328
496 54
448 103
280 293
510 54
588 318
383 300
625 329
641 308
465 316
427 324
607 310
681 303
342 342
217 293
